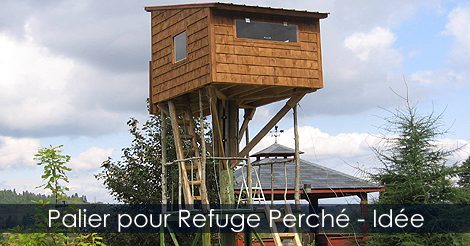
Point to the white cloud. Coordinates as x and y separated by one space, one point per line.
32 83
91 187
346 152
91 159
318 145
439 77
459 26
18 152
43 93
364 45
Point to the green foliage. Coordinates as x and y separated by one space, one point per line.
464 174
464 182
90 239
54 173
26 197
54 170
415 171
136 178
415 168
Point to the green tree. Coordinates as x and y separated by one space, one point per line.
54 170
464 174
415 170
136 178
464 182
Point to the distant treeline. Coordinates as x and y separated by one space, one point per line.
26 197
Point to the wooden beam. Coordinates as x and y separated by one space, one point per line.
220 94
205 199
164 108
289 104
188 199
258 237
216 125
164 160
249 112
248 171
297 160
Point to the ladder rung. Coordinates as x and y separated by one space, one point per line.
287 235
189 152
188 167
278 221
186 136
183 122
195 182
198 198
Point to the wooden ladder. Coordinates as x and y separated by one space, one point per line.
278 237
185 136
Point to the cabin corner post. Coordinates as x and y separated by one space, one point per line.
228 119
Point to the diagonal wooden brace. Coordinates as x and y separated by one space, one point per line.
289 105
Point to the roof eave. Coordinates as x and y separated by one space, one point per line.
243 8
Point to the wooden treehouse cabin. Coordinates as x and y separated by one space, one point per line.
215 58
253 55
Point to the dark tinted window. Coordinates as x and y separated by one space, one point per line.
180 46
266 31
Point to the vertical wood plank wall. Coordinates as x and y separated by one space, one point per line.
261 62
170 79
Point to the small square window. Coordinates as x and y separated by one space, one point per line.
179 43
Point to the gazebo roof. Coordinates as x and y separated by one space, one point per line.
276 150
318 176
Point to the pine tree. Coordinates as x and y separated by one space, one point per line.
464 174
415 170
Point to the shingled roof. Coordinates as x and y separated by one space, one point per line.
276 150
318 176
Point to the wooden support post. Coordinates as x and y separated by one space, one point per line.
188 198
289 104
204 197
364 210
297 161
218 141
164 108
248 172
247 236
173 237
231 150
164 192
164 160
206 236
258 237
226 178
249 113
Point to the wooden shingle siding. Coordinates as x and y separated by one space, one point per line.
252 72
170 79
261 62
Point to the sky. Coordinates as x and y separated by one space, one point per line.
73 72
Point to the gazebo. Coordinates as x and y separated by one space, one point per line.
275 167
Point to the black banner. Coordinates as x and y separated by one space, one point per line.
120 218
